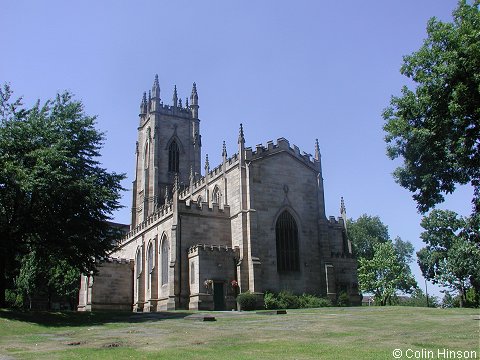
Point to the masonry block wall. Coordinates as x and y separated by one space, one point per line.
111 289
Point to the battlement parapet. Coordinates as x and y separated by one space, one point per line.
336 221
203 208
200 183
114 260
282 144
174 111
162 212
195 249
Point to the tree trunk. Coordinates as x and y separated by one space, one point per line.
3 282
462 296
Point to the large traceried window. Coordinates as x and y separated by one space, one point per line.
164 259
286 232
173 157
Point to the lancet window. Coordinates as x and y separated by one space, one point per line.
286 232
173 157
164 259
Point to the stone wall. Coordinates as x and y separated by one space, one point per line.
111 289
278 183
213 267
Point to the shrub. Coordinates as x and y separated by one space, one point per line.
13 299
286 300
312 301
247 301
343 299
271 302
472 298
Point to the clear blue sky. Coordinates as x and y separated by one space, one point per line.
295 69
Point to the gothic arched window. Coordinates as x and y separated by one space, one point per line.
216 195
164 259
286 233
150 258
173 157
146 156
192 273
150 263
138 261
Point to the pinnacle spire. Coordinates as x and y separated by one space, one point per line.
194 102
143 104
207 164
317 150
175 97
343 209
166 195
156 88
241 137
176 183
224 150
194 95
192 176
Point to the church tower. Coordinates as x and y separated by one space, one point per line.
168 146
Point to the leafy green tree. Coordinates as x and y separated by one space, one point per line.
404 250
419 299
55 198
435 128
364 233
450 258
368 235
48 277
385 274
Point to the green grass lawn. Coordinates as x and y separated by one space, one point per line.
327 333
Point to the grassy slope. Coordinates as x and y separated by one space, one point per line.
328 333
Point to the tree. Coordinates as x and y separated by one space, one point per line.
450 258
385 274
435 128
419 299
404 250
48 277
365 233
383 264
55 198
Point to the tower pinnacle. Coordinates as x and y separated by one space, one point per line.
207 164
143 104
343 209
175 97
192 176
224 151
317 150
156 88
194 102
241 137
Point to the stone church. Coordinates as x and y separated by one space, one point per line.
256 222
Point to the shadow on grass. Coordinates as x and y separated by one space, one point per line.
74 318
